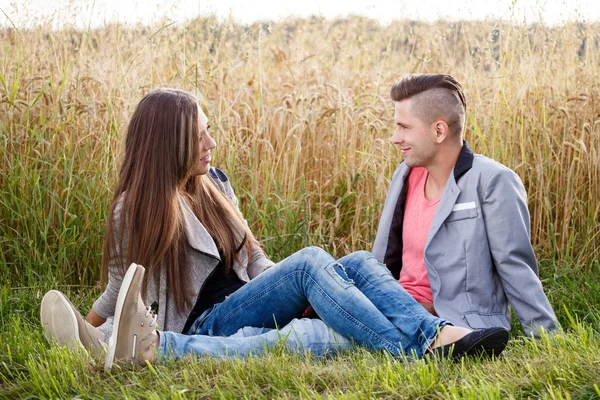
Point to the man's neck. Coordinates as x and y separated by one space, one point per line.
439 171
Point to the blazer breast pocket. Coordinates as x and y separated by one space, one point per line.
462 211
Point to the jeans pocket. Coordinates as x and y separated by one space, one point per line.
338 273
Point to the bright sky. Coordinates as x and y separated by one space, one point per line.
98 12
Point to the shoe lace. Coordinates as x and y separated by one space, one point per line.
154 316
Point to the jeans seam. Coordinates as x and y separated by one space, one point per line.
388 344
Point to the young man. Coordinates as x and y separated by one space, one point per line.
455 225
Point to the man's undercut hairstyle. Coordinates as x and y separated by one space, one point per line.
434 96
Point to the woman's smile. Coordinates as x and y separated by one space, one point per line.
206 159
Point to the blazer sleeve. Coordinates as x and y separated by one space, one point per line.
258 262
506 216
105 305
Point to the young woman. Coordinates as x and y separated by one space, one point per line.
206 274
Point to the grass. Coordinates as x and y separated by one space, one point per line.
564 366
301 114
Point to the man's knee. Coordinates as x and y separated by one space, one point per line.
363 254
363 263
358 259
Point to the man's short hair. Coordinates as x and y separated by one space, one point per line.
434 96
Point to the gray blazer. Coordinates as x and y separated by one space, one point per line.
202 255
478 251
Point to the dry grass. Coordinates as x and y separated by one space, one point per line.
302 118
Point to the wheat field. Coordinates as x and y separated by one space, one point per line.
302 118
301 113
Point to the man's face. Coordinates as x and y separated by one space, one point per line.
415 138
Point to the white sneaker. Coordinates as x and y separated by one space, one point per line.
64 325
133 340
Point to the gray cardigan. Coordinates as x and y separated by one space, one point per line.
478 252
202 255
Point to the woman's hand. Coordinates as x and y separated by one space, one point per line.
94 318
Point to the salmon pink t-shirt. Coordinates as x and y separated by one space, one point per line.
418 215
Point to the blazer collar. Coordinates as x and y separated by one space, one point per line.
197 235
464 162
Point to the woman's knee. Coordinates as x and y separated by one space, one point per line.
308 259
315 254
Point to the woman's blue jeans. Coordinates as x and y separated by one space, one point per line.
356 296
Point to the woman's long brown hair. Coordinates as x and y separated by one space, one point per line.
162 144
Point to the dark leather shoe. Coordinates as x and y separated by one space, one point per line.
484 343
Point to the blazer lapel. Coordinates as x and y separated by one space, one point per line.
197 235
392 200
444 208
451 192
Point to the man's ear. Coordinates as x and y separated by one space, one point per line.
441 131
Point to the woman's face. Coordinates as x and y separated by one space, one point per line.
202 165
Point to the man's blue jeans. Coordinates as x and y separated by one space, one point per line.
356 296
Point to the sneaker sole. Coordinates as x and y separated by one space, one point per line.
112 342
63 332
490 345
